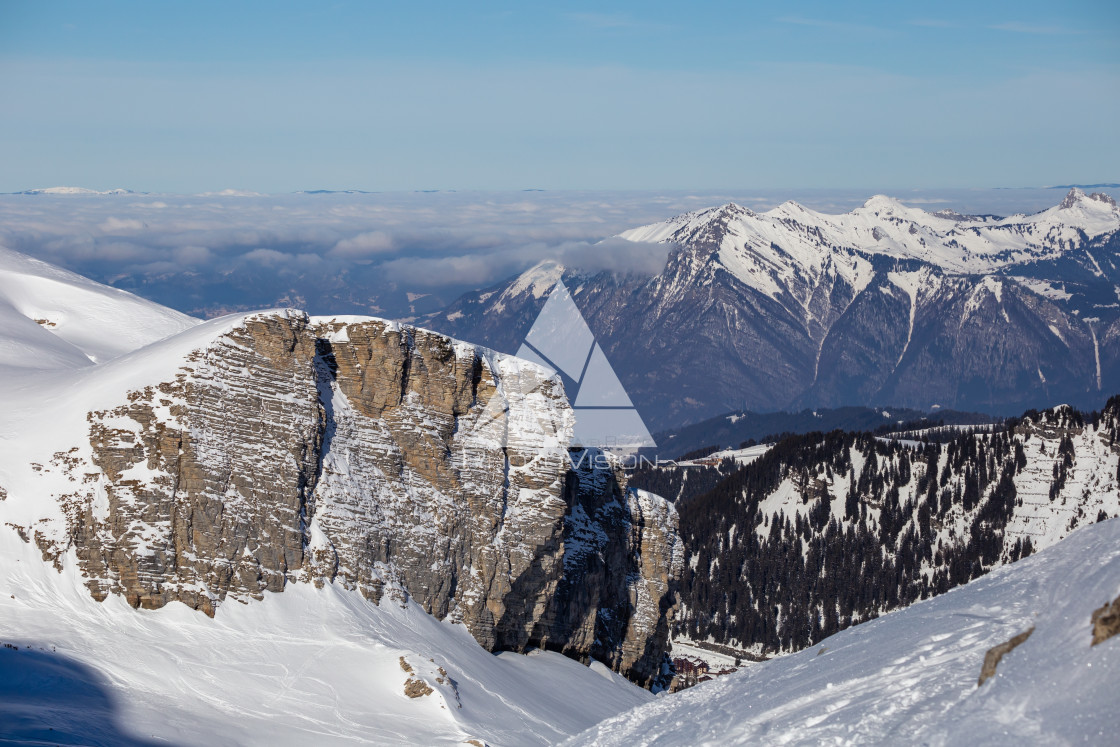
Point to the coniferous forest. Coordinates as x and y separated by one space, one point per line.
826 530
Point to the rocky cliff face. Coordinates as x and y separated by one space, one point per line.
380 457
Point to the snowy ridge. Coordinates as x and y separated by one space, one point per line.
535 282
52 318
768 251
791 235
796 256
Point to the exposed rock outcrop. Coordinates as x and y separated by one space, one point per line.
415 688
1106 622
995 653
383 458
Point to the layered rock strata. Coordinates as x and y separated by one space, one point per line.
383 458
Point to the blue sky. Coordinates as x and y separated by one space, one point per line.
274 97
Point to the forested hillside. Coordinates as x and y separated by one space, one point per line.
828 530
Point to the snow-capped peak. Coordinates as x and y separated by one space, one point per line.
884 225
790 208
1092 215
1077 199
1072 199
783 253
733 210
537 281
883 203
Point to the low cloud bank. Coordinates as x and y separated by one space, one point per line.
394 254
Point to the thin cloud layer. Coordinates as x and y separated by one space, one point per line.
393 254
334 253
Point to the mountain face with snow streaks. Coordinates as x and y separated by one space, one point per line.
887 304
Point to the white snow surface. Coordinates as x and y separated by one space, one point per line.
308 666
741 456
537 280
910 677
53 318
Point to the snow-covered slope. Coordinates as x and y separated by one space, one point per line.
309 666
53 318
910 677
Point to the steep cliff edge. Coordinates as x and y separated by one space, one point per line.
374 456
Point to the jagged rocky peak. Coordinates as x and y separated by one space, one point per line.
953 215
733 210
381 457
710 227
1072 198
1077 198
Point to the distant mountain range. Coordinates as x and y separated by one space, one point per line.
1103 185
219 193
885 305
74 191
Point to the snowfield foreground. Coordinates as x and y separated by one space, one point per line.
910 677
308 666
54 318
